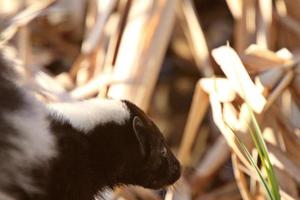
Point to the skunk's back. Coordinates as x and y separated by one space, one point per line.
25 141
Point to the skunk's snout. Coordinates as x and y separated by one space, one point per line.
175 172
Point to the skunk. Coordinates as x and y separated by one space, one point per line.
71 151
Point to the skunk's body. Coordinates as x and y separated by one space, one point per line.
26 145
71 151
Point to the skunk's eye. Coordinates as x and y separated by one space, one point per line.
164 151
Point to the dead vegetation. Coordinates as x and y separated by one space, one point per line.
152 52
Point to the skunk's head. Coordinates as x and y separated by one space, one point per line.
156 165
125 146
130 149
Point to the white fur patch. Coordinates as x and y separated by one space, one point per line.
86 115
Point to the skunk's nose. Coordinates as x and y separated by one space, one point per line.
176 172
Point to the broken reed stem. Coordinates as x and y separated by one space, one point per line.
25 49
263 37
240 178
192 29
217 155
197 112
124 17
148 35
278 90
96 33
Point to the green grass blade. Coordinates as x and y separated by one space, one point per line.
261 178
263 182
263 153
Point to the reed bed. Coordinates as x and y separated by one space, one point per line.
221 78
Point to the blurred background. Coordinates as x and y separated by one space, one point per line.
191 65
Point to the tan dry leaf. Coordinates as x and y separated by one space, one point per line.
240 80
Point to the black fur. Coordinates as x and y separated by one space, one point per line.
110 155
11 96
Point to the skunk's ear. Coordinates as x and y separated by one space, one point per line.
138 127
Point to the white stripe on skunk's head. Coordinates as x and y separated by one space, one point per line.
86 115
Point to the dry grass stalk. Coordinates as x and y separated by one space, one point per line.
92 39
93 50
270 77
240 178
114 43
24 46
196 115
23 18
25 49
217 155
263 37
259 59
279 89
145 46
49 88
244 13
191 27
91 88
